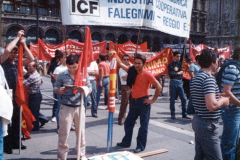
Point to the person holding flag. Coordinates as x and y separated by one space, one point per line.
70 106
9 63
140 81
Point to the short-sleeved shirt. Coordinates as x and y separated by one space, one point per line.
60 69
33 82
93 67
142 84
194 68
204 84
105 67
69 98
231 76
121 74
11 73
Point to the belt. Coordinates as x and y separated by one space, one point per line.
141 98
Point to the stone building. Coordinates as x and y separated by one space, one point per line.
223 23
21 14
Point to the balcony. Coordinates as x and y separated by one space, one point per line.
15 15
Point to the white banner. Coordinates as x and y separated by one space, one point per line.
169 16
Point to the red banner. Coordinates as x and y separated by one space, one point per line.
46 52
129 46
223 52
20 98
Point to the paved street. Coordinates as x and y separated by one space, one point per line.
164 133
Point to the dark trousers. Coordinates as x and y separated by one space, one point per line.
176 88
12 139
34 106
126 92
138 108
207 142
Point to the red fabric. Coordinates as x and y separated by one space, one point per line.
85 60
142 84
47 51
105 67
20 97
129 46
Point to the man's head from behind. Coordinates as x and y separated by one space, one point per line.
72 63
208 58
236 54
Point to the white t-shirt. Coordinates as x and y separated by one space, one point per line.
121 74
93 66
60 69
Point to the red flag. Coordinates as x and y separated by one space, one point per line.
85 60
27 117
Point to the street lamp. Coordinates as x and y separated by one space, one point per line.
50 13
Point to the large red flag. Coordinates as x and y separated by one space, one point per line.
85 60
27 117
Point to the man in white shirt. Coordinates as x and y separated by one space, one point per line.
92 72
126 91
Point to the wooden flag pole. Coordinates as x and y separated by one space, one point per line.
184 50
64 37
138 39
152 153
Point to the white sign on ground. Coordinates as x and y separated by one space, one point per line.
125 155
169 16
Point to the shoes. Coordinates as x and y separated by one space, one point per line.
186 117
42 124
173 117
121 145
83 158
57 130
95 116
54 119
17 147
120 123
137 150
72 128
8 151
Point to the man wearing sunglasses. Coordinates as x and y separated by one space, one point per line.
126 91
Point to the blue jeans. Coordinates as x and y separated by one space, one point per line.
105 83
58 109
176 88
138 108
1 140
93 97
230 135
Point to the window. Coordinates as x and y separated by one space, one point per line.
195 4
43 11
25 10
203 5
202 27
8 7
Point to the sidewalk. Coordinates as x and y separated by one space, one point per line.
164 133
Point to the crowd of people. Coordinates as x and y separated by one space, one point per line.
209 98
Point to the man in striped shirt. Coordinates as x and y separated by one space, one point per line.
231 116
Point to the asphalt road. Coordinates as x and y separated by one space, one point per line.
176 135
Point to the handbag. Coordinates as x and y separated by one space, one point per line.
8 90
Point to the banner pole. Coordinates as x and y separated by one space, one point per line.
110 131
117 88
80 128
20 130
64 37
184 50
168 89
138 40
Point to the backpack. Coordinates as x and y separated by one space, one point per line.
220 73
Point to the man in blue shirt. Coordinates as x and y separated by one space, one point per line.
231 115
70 106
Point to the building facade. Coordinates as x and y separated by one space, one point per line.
21 14
223 23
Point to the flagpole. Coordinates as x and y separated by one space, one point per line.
110 131
80 127
64 37
184 50
20 130
138 40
